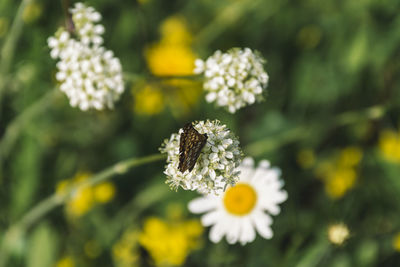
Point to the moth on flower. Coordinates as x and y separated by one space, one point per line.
202 156
190 145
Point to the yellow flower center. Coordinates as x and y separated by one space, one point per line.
240 199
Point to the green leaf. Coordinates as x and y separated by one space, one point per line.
26 170
367 253
43 247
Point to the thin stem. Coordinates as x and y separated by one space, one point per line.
8 49
303 132
135 77
48 204
230 15
131 211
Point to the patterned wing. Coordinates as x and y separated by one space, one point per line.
190 146
182 142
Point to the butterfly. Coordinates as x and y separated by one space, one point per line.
190 145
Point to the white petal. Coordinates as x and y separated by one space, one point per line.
217 232
233 231
202 204
210 97
270 198
264 164
246 173
212 174
247 234
52 42
211 218
229 155
262 223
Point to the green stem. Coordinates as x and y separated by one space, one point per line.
271 143
13 129
16 232
132 77
8 49
230 15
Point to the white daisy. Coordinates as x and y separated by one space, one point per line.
240 211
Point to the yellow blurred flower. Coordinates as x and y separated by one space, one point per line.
62 187
179 95
169 243
83 196
350 156
396 242
183 94
172 55
338 233
174 31
339 182
104 192
306 158
81 201
389 145
32 12
170 59
339 174
149 99
65 262
125 252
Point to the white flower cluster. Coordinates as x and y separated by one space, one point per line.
89 75
215 168
233 79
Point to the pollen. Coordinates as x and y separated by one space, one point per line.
240 199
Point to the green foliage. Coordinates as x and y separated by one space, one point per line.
334 83
42 247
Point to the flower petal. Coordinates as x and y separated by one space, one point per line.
202 204
247 234
233 231
210 218
217 232
262 223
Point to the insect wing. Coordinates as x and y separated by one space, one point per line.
190 146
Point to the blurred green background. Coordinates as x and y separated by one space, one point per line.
331 122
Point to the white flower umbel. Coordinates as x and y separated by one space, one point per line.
233 79
89 75
216 167
240 211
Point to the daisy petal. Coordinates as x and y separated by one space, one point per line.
262 223
246 169
270 207
217 232
202 204
233 232
210 218
247 234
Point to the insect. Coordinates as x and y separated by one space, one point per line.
190 146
